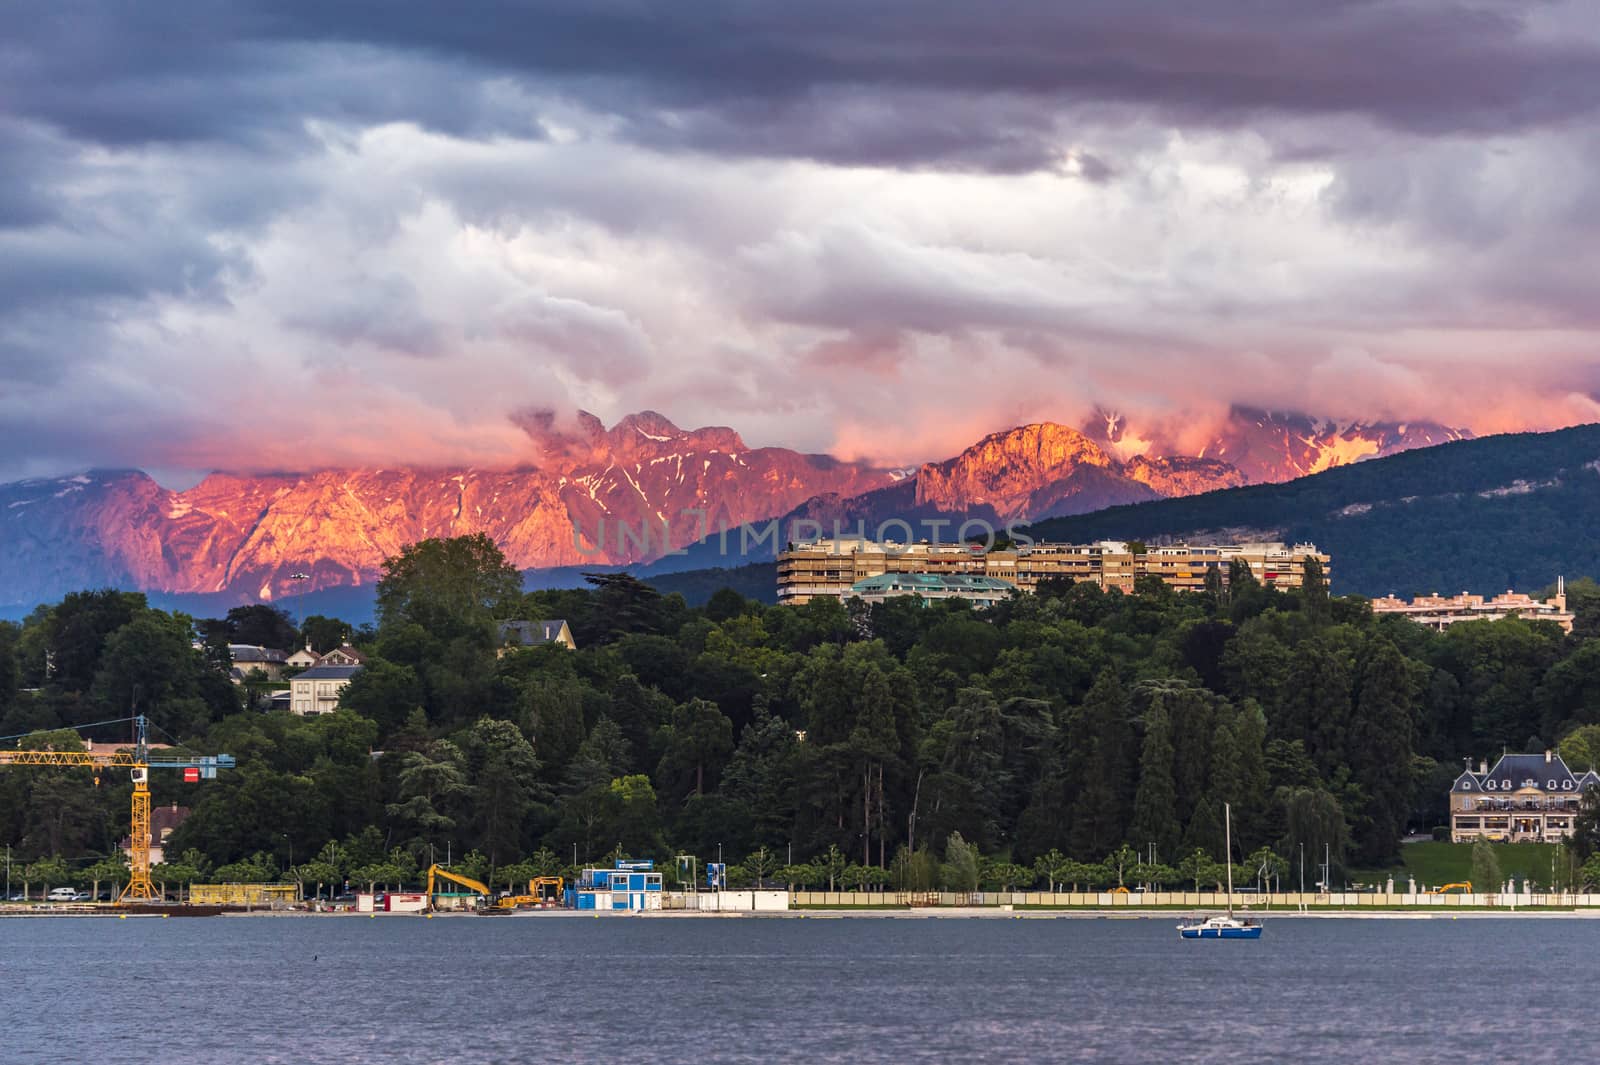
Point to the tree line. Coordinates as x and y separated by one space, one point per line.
1072 737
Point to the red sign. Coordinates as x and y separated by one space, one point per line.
191 775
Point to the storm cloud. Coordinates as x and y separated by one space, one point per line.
296 235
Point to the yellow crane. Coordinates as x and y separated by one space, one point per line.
138 761
439 872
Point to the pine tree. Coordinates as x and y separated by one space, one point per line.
1100 815
1381 734
1205 829
1154 805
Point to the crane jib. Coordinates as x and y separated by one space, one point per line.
138 761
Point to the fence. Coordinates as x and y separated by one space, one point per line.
1191 899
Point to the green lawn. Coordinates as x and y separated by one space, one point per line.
1445 863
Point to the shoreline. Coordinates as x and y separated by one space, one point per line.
846 913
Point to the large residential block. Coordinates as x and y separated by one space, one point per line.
834 567
1441 611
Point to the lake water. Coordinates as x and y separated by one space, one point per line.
856 989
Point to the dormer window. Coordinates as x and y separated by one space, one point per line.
1489 784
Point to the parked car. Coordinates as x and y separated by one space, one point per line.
62 894
19 897
83 896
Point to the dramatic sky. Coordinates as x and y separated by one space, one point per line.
305 234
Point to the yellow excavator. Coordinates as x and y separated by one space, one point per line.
439 872
542 890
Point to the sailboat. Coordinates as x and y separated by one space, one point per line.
1220 926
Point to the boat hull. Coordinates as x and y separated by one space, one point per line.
1249 932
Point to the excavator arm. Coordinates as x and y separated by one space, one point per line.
439 872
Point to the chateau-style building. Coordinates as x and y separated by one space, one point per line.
1525 798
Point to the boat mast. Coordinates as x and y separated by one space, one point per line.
1227 850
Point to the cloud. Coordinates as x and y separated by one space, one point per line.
292 235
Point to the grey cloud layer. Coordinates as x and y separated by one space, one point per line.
451 213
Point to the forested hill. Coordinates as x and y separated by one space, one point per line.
1500 512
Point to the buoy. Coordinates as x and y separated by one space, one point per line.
122 917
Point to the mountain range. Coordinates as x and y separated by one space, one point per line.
593 496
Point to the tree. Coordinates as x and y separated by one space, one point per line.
431 783
385 692
1314 589
1314 820
1120 862
802 875
45 871
1380 749
1266 866
1199 868
1486 877
1154 819
505 786
1586 826
961 864
146 663
696 745
914 871
726 603
1046 867
1007 876
447 586
1099 814
1589 874
112 869
832 866
1580 749
321 634
75 632
760 864
259 868
260 625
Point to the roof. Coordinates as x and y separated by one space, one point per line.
249 652
329 673
346 651
946 583
1547 772
531 633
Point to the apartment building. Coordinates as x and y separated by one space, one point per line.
835 567
977 590
1525 797
1441 611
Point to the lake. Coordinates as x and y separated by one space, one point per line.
850 989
